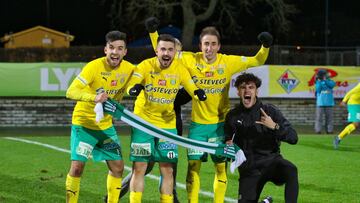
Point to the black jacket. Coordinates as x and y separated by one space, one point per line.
258 142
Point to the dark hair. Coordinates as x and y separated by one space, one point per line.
115 35
321 73
247 77
210 31
166 38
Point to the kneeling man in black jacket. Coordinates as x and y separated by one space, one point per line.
258 130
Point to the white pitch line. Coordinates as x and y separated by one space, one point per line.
180 185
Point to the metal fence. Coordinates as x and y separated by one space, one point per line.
296 55
280 55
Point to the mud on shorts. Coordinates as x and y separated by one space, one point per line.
102 144
147 148
213 133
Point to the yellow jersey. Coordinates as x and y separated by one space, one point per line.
97 76
155 103
215 80
353 96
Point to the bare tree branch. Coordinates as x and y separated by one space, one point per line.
227 13
208 13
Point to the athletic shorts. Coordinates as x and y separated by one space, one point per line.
213 133
353 112
147 148
101 144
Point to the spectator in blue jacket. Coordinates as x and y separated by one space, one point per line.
324 101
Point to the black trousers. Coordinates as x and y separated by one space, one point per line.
279 171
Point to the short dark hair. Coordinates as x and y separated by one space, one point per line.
211 30
115 35
321 73
166 38
247 77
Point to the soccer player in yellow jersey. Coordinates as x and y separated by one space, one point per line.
160 79
99 80
352 99
212 71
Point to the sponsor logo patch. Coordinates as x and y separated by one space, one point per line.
167 146
209 74
84 149
140 149
162 82
195 152
288 81
113 82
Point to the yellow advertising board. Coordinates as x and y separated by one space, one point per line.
299 81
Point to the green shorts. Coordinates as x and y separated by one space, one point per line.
213 133
102 144
147 148
353 112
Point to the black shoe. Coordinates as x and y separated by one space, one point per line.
318 132
329 132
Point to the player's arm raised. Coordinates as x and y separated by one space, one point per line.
259 59
151 25
241 63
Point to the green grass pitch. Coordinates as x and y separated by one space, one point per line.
35 172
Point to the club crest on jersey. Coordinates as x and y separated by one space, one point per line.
162 82
113 82
173 81
220 71
122 80
209 74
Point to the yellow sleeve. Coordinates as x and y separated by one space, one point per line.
259 58
77 90
248 62
137 77
354 90
154 37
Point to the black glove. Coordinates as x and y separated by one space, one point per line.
266 39
152 24
135 91
200 94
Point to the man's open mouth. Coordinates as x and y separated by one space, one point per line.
166 59
115 58
247 99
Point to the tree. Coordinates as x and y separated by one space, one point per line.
224 13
